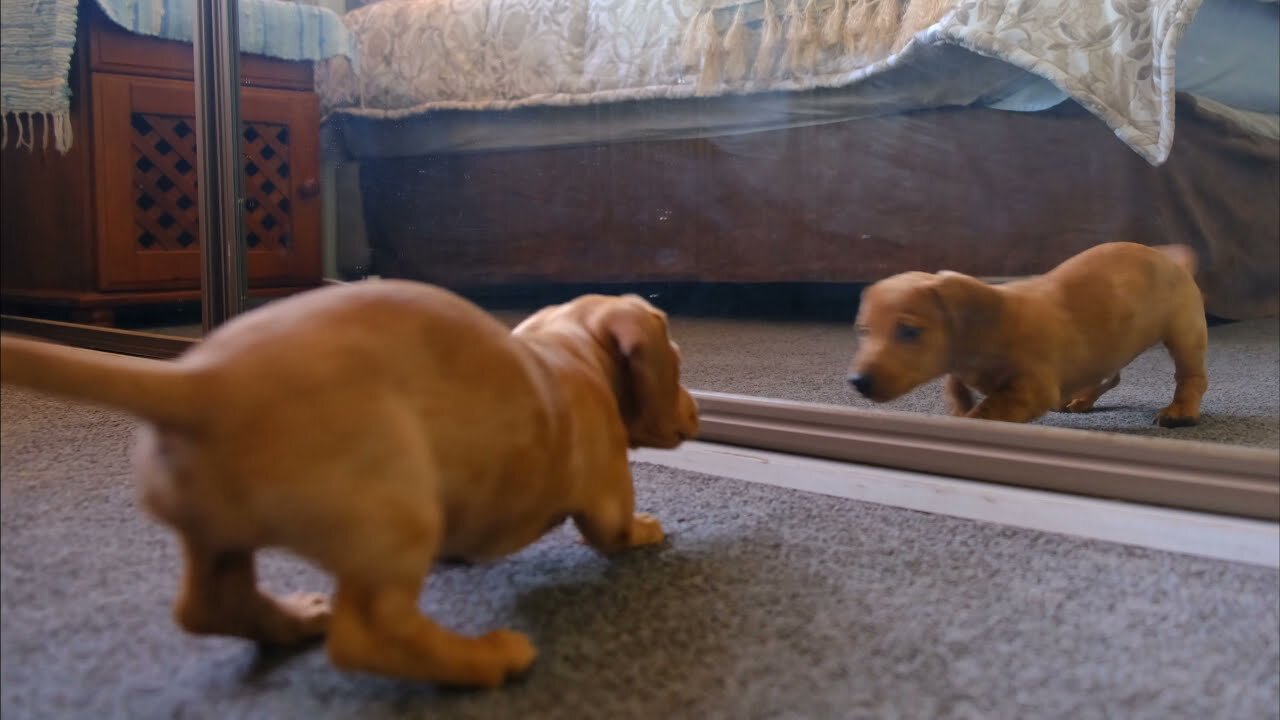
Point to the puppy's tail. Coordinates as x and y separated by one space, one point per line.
155 390
1183 255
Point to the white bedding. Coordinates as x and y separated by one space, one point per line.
941 76
541 57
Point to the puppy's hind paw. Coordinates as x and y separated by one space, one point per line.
1171 418
646 530
515 651
304 616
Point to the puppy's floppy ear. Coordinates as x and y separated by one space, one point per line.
629 329
635 330
967 304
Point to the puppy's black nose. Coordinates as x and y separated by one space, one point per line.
860 382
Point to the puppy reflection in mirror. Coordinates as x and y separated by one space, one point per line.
1052 342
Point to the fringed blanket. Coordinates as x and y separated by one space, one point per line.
36 41
38 36
1113 56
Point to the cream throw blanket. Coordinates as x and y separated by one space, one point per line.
1115 57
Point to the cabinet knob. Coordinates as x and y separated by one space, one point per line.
309 188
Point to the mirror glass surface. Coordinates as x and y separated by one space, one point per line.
751 168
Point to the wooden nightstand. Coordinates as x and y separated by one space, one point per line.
113 222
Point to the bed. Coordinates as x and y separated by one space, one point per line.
583 141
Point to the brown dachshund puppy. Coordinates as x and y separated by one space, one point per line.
376 429
1056 341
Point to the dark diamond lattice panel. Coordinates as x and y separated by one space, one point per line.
164 181
266 186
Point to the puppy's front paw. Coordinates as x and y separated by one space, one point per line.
646 530
515 652
1175 417
1078 405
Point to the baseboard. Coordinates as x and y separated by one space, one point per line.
1243 540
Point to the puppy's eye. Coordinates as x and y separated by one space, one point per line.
907 333
861 331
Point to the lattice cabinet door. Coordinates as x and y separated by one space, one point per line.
145 183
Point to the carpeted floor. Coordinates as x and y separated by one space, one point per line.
765 603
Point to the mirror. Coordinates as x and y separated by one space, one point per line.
753 167
753 191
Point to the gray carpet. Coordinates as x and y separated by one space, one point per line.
765 603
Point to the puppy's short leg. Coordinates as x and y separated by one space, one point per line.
220 596
959 396
390 541
1023 400
379 629
1187 345
610 523
1084 401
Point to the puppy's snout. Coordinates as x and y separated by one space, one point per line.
862 382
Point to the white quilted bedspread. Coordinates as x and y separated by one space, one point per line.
1116 57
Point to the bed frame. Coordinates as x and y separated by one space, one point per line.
981 191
